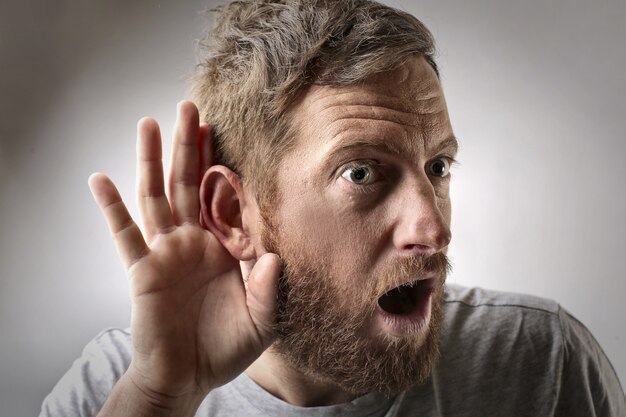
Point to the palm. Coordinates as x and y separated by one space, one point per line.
187 304
192 326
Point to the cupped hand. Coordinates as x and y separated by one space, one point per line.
194 326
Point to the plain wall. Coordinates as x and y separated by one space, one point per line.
536 92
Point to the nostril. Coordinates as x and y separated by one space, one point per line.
422 250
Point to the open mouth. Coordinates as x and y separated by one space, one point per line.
407 298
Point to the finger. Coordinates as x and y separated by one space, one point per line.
154 208
207 149
126 235
183 182
261 295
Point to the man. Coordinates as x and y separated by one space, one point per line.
333 149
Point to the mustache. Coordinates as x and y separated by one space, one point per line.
308 283
408 270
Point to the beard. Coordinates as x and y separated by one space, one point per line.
322 327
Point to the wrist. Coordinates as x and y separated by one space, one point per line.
130 398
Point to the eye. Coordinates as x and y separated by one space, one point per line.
440 167
359 174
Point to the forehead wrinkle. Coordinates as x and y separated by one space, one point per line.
430 128
343 140
405 104
399 137
371 125
399 106
411 137
366 112
355 114
362 143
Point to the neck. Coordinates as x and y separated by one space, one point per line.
272 373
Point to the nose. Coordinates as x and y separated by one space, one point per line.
422 226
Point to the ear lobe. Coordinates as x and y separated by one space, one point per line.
221 205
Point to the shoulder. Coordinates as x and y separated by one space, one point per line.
86 385
504 348
114 344
488 313
498 350
513 334
588 382
486 320
108 355
473 298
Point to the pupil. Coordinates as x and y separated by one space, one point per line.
359 174
438 168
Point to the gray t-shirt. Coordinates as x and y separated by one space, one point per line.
501 355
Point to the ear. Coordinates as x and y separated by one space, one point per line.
222 201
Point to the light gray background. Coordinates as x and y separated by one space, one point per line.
536 92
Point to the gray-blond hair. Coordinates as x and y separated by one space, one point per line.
261 55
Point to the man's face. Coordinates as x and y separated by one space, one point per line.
362 227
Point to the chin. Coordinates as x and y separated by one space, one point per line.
345 358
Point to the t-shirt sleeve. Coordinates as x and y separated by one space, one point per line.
589 385
82 391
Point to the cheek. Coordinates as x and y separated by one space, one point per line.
334 231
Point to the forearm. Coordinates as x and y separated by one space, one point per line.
127 399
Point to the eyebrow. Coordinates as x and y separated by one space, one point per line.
364 143
386 147
449 142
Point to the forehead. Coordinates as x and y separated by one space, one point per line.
404 108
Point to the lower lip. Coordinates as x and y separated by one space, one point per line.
414 322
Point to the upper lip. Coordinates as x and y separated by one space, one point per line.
426 276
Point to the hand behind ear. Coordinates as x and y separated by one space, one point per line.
194 327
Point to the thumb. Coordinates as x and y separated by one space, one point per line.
261 295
